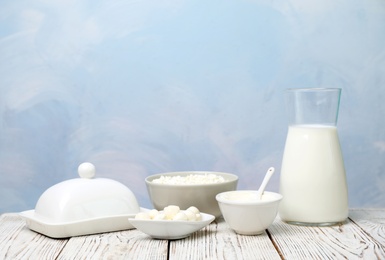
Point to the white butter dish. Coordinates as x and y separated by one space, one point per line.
83 206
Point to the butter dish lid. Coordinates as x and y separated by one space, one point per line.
80 201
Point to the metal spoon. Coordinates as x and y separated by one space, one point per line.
268 175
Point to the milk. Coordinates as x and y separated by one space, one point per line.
313 180
248 196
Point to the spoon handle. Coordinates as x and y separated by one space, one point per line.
268 175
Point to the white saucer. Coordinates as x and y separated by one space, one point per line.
76 228
171 229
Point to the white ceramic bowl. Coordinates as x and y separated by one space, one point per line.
201 196
171 229
245 213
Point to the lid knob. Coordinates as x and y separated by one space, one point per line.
86 170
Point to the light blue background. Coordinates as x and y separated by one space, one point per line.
144 87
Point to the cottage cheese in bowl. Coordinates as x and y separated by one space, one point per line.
190 188
190 179
171 212
171 222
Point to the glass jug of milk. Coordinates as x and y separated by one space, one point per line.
313 179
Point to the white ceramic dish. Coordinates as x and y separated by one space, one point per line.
83 206
201 196
171 229
246 213
76 228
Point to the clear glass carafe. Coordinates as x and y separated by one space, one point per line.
313 178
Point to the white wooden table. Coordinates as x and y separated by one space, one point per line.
361 237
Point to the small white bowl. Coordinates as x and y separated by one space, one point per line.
201 196
171 229
245 213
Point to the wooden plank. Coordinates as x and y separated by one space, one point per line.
18 242
362 237
128 244
347 241
372 221
218 241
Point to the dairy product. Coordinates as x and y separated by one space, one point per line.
247 196
313 180
240 196
171 212
190 179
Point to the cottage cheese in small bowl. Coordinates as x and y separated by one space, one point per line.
171 212
190 188
171 222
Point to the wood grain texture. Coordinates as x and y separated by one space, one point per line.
217 241
372 221
128 244
18 242
347 241
361 237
